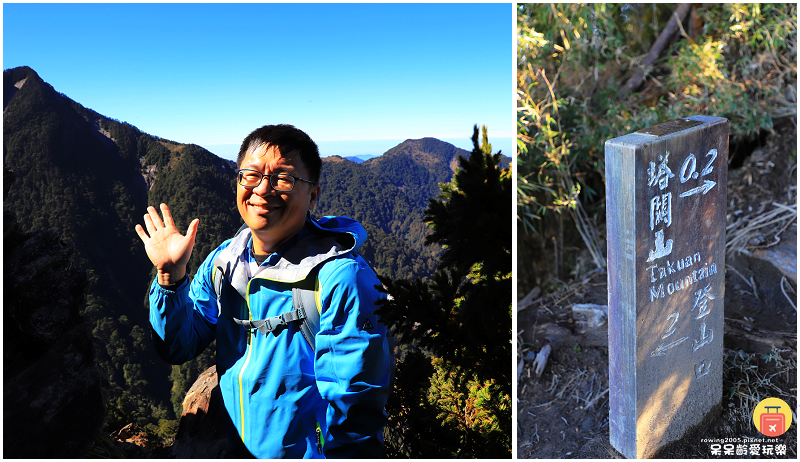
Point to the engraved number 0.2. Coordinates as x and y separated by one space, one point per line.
691 164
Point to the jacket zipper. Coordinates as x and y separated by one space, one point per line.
319 439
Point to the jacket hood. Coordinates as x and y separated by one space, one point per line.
319 241
341 225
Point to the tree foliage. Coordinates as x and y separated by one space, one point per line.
456 373
391 216
91 178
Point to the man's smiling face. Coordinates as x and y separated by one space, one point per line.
274 216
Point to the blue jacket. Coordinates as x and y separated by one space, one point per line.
283 399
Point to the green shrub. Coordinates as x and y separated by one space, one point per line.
574 59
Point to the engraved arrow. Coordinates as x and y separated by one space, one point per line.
662 349
706 187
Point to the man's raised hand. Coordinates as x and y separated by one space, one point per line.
166 247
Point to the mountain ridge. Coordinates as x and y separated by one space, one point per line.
91 177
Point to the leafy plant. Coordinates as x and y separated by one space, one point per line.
459 379
736 61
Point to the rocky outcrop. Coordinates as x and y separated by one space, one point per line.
201 432
148 173
131 433
134 443
54 393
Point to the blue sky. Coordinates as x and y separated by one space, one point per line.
358 78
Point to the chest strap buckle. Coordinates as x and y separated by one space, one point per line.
275 324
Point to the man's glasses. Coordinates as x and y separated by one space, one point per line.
282 182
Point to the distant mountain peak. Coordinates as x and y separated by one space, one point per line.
359 159
14 79
427 143
430 153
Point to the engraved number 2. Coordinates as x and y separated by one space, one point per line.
691 164
671 329
709 168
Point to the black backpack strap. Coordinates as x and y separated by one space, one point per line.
305 302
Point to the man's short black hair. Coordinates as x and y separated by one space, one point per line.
286 138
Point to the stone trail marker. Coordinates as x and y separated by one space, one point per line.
665 204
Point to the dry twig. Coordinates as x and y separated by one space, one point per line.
738 239
783 279
655 51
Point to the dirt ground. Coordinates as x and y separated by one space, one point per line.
564 413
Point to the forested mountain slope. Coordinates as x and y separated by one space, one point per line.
90 178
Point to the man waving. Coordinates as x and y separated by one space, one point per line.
290 388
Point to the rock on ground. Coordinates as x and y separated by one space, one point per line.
202 432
